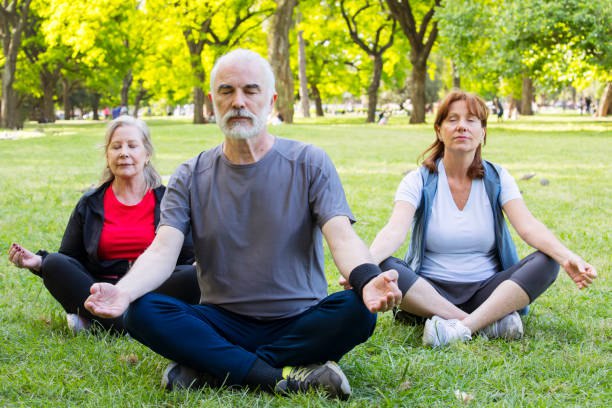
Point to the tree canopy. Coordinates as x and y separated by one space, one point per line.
79 57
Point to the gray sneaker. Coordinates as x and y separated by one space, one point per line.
439 332
509 327
327 377
180 377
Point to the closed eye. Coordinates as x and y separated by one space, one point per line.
252 89
225 89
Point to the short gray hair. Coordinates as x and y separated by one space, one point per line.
244 56
152 177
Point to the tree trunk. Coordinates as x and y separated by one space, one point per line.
456 76
421 44
125 88
48 107
419 73
304 102
9 95
95 105
140 95
527 96
373 88
316 95
605 105
12 23
66 99
278 55
209 111
199 76
198 105
9 102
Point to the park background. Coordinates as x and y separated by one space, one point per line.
64 62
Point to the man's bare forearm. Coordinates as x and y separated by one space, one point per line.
155 265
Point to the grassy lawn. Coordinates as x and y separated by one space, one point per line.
563 360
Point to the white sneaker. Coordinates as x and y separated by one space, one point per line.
509 327
440 332
76 323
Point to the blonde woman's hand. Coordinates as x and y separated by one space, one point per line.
23 258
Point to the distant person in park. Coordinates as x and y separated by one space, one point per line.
276 118
109 228
587 102
383 118
259 207
499 109
462 271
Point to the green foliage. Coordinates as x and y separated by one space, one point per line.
190 35
556 43
564 359
466 33
330 54
94 46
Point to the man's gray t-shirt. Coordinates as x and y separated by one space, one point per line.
257 227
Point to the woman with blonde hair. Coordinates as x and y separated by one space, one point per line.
109 228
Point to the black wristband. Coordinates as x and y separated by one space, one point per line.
361 275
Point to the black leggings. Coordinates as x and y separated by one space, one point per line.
534 274
69 282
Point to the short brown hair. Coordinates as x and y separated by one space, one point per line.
476 106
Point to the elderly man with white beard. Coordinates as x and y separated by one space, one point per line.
259 207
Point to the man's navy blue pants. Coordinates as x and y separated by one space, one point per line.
211 339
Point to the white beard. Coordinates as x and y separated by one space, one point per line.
241 130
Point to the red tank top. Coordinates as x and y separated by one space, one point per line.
127 229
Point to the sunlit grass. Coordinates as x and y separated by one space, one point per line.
564 359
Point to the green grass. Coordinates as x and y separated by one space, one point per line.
563 360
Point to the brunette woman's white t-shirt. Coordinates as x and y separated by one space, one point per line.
459 244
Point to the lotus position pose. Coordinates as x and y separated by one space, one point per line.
109 228
258 206
462 270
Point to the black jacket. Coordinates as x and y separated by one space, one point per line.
82 235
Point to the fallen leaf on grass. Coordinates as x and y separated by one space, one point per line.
463 396
129 358
406 385
45 319
527 176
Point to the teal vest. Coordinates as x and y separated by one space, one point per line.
506 251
